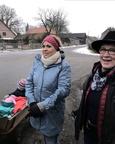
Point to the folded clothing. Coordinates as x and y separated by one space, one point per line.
10 99
6 109
20 104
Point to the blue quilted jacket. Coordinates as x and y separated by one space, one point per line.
50 86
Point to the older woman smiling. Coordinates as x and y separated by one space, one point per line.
96 113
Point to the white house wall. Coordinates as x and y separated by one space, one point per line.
4 28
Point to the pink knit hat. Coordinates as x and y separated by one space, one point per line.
22 83
53 41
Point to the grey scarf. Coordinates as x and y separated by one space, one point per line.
56 58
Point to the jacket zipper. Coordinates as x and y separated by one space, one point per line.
40 93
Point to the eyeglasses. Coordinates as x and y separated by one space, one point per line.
110 51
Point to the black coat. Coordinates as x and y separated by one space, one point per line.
18 92
105 125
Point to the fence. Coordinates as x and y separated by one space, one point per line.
4 46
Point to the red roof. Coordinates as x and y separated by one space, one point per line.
38 30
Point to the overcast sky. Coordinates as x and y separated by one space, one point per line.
91 17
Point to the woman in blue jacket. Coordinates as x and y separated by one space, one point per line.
48 84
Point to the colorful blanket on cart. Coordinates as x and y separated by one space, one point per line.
6 109
9 108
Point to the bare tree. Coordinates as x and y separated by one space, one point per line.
9 17
52 20
60 23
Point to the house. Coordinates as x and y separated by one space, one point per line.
73 38
6 33
35 33
33 37
68 38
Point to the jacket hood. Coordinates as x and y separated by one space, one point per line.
62 54
38 57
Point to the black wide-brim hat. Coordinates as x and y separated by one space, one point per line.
108 39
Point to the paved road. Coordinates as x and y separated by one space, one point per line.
16 65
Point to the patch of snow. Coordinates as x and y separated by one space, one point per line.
84 50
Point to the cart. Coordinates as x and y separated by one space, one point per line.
7 124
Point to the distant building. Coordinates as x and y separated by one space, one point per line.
6 33
73 38
34 33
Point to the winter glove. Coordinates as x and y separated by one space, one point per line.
33 103
35 111
30 105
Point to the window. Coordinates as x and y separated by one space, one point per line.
4 33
